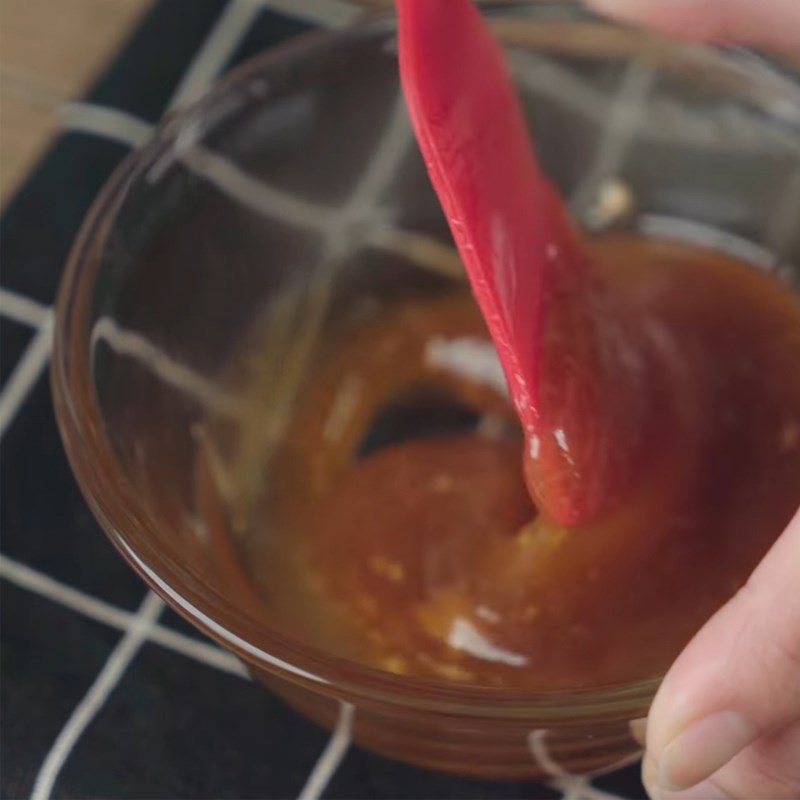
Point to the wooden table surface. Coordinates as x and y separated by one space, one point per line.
50 52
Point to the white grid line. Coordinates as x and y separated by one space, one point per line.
22 309
109 123
98 610
573 787
228 31
661 226
666 120
537 744
624 116
174 373
233 24
108 677
43 585
234 182
332 755
394 144
26 373
422 250
207 654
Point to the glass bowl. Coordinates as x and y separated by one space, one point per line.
291 196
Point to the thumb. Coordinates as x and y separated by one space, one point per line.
738 679
773 24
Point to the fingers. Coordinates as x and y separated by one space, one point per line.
773 24
738 680
770 768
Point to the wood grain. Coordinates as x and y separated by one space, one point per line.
50 51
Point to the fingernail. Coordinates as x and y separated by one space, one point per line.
702 748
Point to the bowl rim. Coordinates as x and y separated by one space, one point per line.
131 529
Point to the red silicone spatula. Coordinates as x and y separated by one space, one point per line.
515 238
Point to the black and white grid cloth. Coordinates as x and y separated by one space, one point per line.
105 692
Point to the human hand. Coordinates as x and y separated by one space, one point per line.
772 24
726 720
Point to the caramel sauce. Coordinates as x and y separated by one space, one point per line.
400 532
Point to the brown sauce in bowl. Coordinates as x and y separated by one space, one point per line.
400 532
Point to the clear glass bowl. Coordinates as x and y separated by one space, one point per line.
294 192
